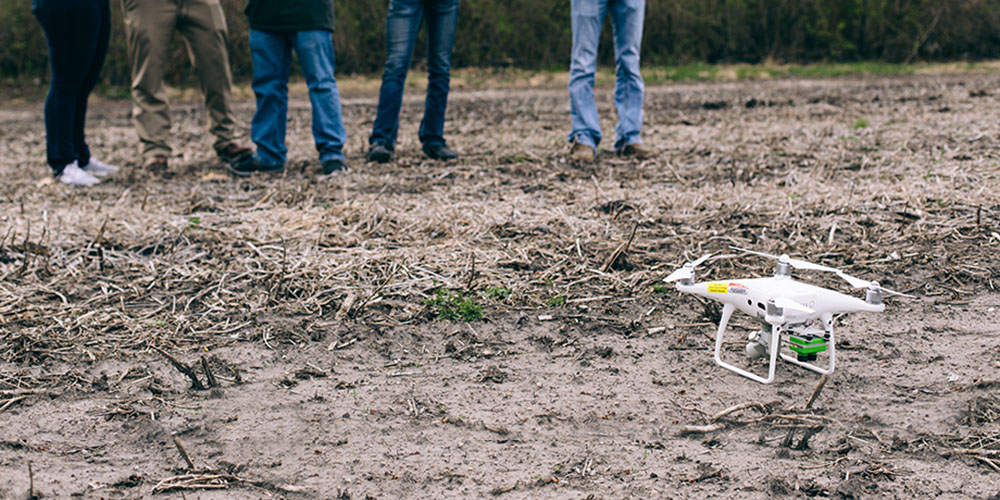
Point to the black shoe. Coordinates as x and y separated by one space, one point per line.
379 153
246 166
334 165
439 152
232 152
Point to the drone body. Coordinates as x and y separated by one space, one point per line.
787 309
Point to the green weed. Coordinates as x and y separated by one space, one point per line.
452 305
498 292
557 301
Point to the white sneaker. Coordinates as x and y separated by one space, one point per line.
99 168
76 176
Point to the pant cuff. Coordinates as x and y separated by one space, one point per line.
583 138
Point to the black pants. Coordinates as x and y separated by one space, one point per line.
77 32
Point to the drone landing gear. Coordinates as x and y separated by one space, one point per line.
727 312
804 340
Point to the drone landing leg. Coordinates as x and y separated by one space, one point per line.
809 366
727 312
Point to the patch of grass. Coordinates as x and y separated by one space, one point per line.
827 70
557 301
861 123
660 289
688 72
498 292
452 305
723 72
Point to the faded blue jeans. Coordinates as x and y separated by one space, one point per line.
402 26
272 61
627 18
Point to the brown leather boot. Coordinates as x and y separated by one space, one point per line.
581 153
638 150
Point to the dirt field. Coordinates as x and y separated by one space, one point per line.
316 302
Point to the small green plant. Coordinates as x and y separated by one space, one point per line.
557 301
861 123
498 292
451 305
660 289
193 223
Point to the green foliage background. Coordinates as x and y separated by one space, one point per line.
535 34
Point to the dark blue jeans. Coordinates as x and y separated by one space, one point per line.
402 25
77 32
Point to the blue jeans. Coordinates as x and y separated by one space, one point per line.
272 60
627 17
402 26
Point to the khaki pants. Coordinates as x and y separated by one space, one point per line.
149 25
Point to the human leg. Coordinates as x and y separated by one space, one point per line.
402 25
587 18
203 25
315 51
627 17
89 82
71 31
272 59
442 19
148 26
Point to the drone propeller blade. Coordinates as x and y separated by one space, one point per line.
796 263
762 254
701 260
855 282
860 283
680 274
898 294
686 272
791 305
809 266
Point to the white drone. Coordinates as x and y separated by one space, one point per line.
804 312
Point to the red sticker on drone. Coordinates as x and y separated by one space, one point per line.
738 289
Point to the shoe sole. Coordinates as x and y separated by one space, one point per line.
441 158
379 158
239 173
232 159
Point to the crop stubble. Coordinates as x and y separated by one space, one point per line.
308 299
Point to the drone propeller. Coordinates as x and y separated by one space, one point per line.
796 263
871 285
687 271
854 282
